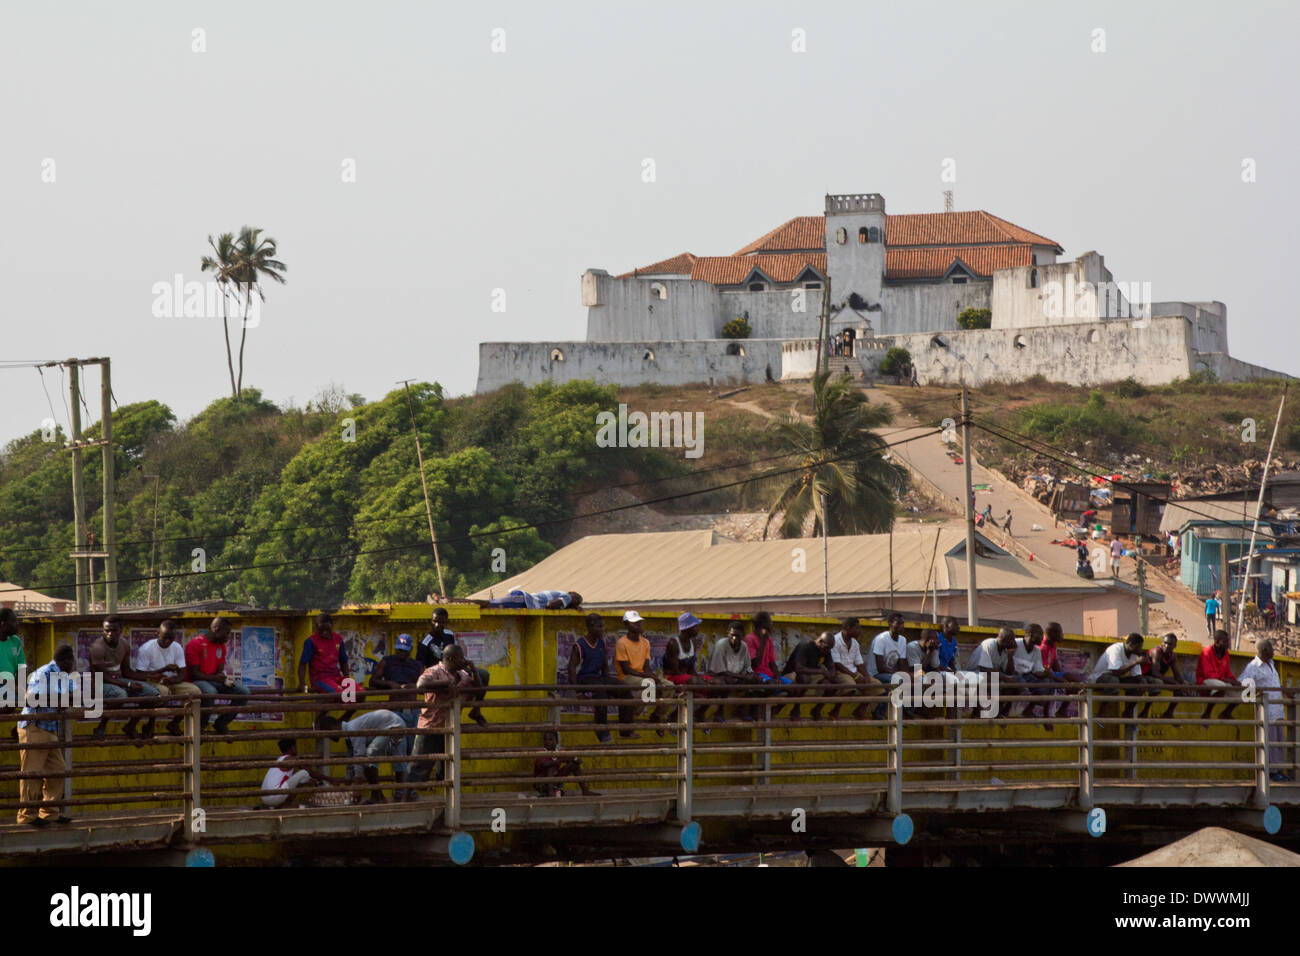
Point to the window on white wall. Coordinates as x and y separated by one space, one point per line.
841 235
557 355
1020 342
658 290
1033 278
862 236
649 355
873 234
756 287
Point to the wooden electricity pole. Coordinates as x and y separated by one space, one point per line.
428 508
972 603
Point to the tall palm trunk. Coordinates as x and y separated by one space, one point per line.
243 334
225 327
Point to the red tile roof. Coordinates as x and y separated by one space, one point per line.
935 263
918 245
731 270
805 233
679 264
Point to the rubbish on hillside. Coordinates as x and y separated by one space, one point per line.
1035 527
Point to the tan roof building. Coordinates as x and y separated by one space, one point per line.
702 571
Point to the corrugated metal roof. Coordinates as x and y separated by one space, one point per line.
1178 514
701 565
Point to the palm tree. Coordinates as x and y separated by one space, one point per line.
222 263
254 260
841 463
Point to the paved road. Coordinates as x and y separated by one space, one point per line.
1179 612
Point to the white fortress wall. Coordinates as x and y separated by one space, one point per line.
926 306
703 361
1084 354
638 309
1053 294
772 314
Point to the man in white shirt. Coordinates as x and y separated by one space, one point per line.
287 782
992 656
1263 672
161 661
1121 663
888 655
850 668
1027 664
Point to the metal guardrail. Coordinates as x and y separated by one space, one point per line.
905 753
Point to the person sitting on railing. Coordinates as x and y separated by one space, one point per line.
1263 672
558 767
325 658
729 663
589 664
437 683
850 669
205 655
110 655
762 650
810 662
632 665
948 648
430 652
1027 665
1121 663
1161 666
1052 667
162 661
373 749
681 653
888 655
991 656
1214 669
288 780
399 671
51 684
926 655
12 656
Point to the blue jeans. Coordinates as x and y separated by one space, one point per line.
237 693
402 745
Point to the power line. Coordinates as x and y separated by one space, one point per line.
1181 503
492 534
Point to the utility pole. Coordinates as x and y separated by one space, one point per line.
1141 573
153 545
1225 584
428 508
1254 528
826 562
110 488
78 492
972 604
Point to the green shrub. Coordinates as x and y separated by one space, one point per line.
737 328
1130 388
975 319
894 360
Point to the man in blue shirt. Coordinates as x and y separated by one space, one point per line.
1211 611
46 686
948 645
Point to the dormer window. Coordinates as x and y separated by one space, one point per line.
757 287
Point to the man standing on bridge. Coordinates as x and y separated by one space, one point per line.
46 685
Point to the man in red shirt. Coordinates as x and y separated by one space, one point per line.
205 656
762 654
1214 669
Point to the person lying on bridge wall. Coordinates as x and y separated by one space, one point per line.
205 655
399 671
730 664
680 655
850 669
1263 672
1162 666
1121 663
373 749
540 601
632 665
811 664
1214 670
550 767
110 655
12 655
290 782
325 659
51 679
430 652
589 664
437 683
161 660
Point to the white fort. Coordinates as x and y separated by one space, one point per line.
892 280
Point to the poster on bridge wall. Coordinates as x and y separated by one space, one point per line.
257 658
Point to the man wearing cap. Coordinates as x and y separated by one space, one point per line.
632 666
399 671
432 648
681 655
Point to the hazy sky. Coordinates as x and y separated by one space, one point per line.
478 170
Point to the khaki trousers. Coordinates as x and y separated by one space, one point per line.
49 790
